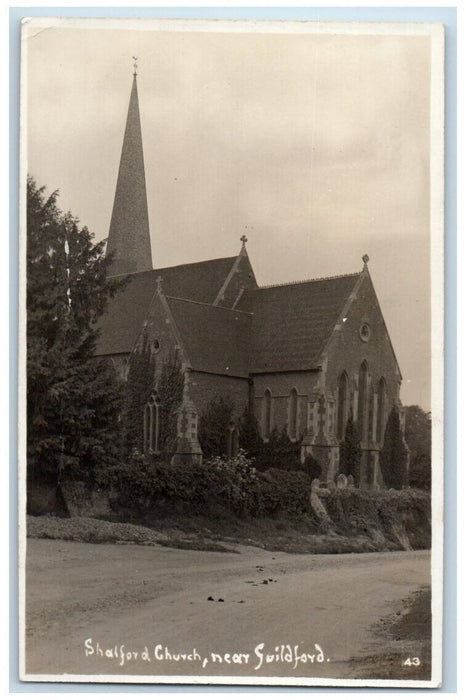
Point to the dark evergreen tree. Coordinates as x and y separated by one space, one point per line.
279 452
214 422
312 467
250 438
418 429
350 451
73 401
394 453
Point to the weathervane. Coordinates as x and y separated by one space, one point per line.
135 65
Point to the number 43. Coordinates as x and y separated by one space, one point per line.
412 661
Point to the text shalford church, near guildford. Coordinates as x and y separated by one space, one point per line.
303 356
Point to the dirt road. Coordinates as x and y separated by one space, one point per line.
115 609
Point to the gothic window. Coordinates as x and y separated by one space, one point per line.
381 393
152 425
362 400
342 405
293 415
267 414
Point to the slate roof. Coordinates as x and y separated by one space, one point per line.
216 339
126 312
292 322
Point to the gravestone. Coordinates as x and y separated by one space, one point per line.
315 484
331 485
351 481
342 481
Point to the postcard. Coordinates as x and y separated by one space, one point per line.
231 351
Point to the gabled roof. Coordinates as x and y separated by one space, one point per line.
216 339
126 312
293 322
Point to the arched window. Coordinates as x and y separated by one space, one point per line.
293 415
362 400
342 405
381 400
152 425
267 414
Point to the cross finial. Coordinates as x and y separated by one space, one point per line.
135 65
243 239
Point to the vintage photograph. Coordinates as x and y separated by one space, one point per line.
231 345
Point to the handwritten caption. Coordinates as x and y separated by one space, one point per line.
258 658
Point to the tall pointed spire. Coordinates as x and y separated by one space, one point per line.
129 235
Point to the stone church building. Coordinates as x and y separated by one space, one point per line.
302 355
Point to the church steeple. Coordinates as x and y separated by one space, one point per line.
129 235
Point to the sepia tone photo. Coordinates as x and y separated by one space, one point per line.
231 345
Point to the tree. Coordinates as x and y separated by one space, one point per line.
350 451
249 435
394 454
214 422
418 428
312 467
73 400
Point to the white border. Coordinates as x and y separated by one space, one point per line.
436 33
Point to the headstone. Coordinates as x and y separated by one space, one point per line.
315 484
331 485
351 481
342 481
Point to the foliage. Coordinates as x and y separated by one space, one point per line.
233 483
418 428
279 452
312 467
170 392
394 453
73 401
138 389
249 434
350 451
213 426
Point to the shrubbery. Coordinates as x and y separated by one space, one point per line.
234 484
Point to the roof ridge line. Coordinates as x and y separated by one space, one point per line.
213 306
296 282
172 267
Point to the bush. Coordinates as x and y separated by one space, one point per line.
350 451
213 427
312 467
394 453
235 484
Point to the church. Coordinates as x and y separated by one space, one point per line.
302 356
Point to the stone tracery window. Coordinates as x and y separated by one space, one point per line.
362 400
152 425
293 415
381 400
267 414
342 407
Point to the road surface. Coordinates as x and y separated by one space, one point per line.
114 609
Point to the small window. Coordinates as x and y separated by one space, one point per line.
365 332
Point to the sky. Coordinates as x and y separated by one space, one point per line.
316 146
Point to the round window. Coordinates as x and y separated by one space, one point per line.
365 332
